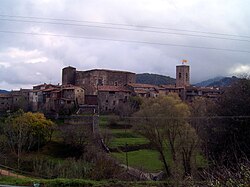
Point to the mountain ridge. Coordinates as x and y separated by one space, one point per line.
154 79
218 82
3 91
157 79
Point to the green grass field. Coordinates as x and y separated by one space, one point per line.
122 133
121 142
144 159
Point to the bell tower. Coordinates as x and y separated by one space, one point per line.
183 75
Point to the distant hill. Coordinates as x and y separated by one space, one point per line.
155 79
3 91
218 82
209 81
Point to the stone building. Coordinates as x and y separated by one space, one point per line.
90 80
112 98
21 99
143 90
167 89
40 97
182 75
53 98
192 92
73 93
5 102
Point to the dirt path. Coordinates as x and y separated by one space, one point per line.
9 173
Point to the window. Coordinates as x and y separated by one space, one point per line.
114 102
186 76
179 75
100 82
116 83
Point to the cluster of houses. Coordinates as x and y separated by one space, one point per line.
98 90
45 98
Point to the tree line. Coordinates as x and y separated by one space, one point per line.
217 130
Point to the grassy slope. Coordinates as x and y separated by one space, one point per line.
121 142
144 159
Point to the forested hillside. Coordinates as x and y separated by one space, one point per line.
155 79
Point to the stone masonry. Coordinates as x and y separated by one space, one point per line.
90 80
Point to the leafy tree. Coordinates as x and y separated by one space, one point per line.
163 121
25 131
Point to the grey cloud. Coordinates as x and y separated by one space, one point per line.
226 16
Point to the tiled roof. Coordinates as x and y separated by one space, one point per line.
142 85
5 95
49 89
113 88
70 86
170 86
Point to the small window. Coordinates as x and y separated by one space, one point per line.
186 76
116 83
100 82
179 75
114 102
107 101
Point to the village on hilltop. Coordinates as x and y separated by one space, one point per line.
98 91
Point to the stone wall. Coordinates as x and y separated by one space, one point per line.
90 80
110 102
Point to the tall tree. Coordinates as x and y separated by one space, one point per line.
163 121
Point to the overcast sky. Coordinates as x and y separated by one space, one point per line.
33 50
